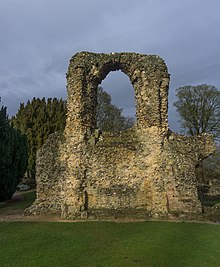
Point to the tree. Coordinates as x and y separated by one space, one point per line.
38 119
13 160
109 117
199 109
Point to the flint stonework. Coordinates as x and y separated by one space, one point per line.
145 172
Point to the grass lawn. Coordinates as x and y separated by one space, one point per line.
50 244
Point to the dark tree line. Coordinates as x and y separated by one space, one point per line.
13 156
37 120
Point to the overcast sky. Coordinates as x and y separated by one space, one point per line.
38 38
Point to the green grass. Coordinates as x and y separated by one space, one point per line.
50 244
109 244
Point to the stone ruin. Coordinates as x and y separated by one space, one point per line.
145 172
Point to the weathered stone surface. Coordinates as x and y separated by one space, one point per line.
144 172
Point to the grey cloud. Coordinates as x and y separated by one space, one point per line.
39 37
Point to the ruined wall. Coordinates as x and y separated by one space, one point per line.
147 171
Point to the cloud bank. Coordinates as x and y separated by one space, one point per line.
39 37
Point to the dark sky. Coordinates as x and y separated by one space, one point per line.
38 38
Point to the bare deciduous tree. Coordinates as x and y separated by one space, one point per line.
199 109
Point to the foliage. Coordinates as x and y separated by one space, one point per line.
13 160
38 119
199 109
109 117
162 244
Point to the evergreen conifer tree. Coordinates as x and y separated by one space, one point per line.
13 156
38 119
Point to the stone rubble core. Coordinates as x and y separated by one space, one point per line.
145 172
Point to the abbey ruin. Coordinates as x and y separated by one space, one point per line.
145 172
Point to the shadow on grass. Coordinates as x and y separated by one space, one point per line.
20 201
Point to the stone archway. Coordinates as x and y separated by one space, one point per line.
147 171
148 75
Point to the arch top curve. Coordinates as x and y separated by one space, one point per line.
100 64
148 75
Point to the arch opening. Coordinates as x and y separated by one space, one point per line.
116 102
